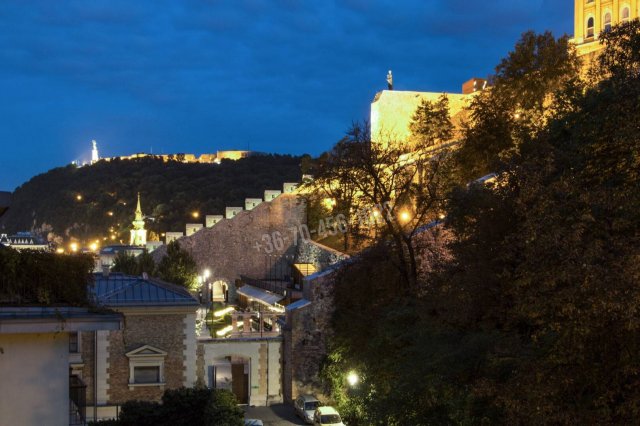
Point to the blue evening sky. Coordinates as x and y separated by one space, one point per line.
286 76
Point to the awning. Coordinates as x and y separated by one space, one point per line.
259 295
305 269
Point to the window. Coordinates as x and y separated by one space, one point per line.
146 374
73 343
590 27
607 21
146 366
625 14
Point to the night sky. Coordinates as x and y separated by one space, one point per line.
286 76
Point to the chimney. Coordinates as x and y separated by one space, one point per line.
105 271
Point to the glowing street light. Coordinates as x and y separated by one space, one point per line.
60 250
195 215
94 246
79 197
73 247
352 378
405 216
109 213
207 274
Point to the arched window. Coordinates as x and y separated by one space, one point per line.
625 14
607 21
590 27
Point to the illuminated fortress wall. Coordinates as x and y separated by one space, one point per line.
189 158
392 112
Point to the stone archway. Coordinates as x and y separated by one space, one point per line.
220 291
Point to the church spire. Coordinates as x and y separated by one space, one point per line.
138 233
139 210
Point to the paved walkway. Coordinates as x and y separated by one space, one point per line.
274 415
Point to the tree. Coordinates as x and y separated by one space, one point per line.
431 125
530 317
43 278
517 105
178 267
145 263
547 257
126 263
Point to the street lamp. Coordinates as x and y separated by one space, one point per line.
405 216
352 378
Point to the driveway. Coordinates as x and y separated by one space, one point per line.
274 415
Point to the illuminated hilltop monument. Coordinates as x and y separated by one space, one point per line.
138 233
594 17
94 152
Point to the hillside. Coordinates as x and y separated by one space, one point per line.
99 201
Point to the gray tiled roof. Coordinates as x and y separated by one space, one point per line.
119 289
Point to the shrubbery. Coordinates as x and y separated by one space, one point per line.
183 407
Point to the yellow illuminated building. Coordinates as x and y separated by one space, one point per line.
594 17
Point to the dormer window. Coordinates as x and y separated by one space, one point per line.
607 21
625 14
146 366
590 27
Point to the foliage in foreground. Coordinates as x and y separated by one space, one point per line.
185 406
38 277
532 317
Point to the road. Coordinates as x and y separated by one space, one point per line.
275 415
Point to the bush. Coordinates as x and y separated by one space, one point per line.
43 278
141 413
185 406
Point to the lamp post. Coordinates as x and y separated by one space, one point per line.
353 379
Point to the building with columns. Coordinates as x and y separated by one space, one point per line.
594 17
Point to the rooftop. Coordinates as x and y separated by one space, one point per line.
120 290
55 319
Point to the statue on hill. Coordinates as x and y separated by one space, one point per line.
390 80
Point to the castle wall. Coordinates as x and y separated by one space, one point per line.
392 112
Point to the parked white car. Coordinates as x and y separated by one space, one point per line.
305 406
327 416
